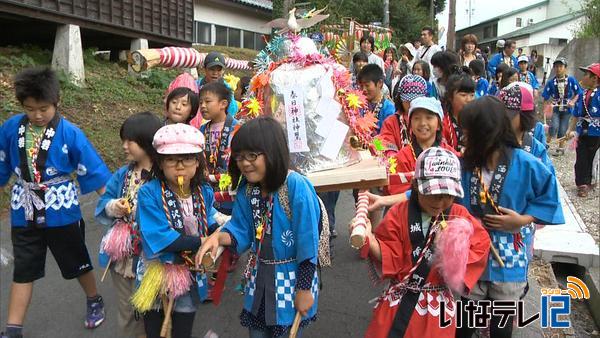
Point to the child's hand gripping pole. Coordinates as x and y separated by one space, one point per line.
357 237
295 325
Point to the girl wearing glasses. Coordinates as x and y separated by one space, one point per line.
284 244
175 213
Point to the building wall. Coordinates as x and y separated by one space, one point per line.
216 24
561 7
563 31
509 23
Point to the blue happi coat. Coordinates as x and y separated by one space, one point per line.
157 233
572 88
529 189
70 151
539 133
297 239
114 189
588 111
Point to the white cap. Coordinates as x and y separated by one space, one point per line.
523 58
428 103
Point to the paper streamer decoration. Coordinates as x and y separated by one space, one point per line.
357 237
175 57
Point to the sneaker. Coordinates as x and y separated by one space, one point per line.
582 191
95 313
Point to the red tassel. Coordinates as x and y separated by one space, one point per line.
518 241
217 290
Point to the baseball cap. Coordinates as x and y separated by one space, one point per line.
437 172
214 59
179 138
560 59
518 96
500 43
594 68
429 103
523 58
411 87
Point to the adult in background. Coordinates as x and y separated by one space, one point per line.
443 64
408 57
428 48
506 56
468 47
367 46
533 59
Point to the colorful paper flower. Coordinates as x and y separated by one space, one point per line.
254 110
392 163
224 182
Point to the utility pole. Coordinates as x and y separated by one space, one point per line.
386 13
450 37
431 13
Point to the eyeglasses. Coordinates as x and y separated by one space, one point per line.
250 157
186 161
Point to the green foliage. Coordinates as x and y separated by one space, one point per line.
407 17
591 26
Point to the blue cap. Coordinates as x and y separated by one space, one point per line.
428 103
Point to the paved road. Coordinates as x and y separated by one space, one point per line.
58 306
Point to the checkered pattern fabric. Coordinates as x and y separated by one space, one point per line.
251 286
315 286
437 172
411 87
284 283
511 257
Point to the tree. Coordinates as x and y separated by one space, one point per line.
407 17
591 25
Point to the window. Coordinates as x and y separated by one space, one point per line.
234 37
529 22
487 32
202 33
260 43
248 40
519 22
221 36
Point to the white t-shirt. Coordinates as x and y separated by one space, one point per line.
425 53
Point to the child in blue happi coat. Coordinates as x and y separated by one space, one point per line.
175 213
520 109
117 209
587 113
276 215
561 92
526 76
508 189
43 150
370 79
218 132
477 68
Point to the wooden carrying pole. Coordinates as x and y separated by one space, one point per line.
295 325
357 237
164 330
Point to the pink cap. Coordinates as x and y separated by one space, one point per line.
518 96
178 138
183 80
